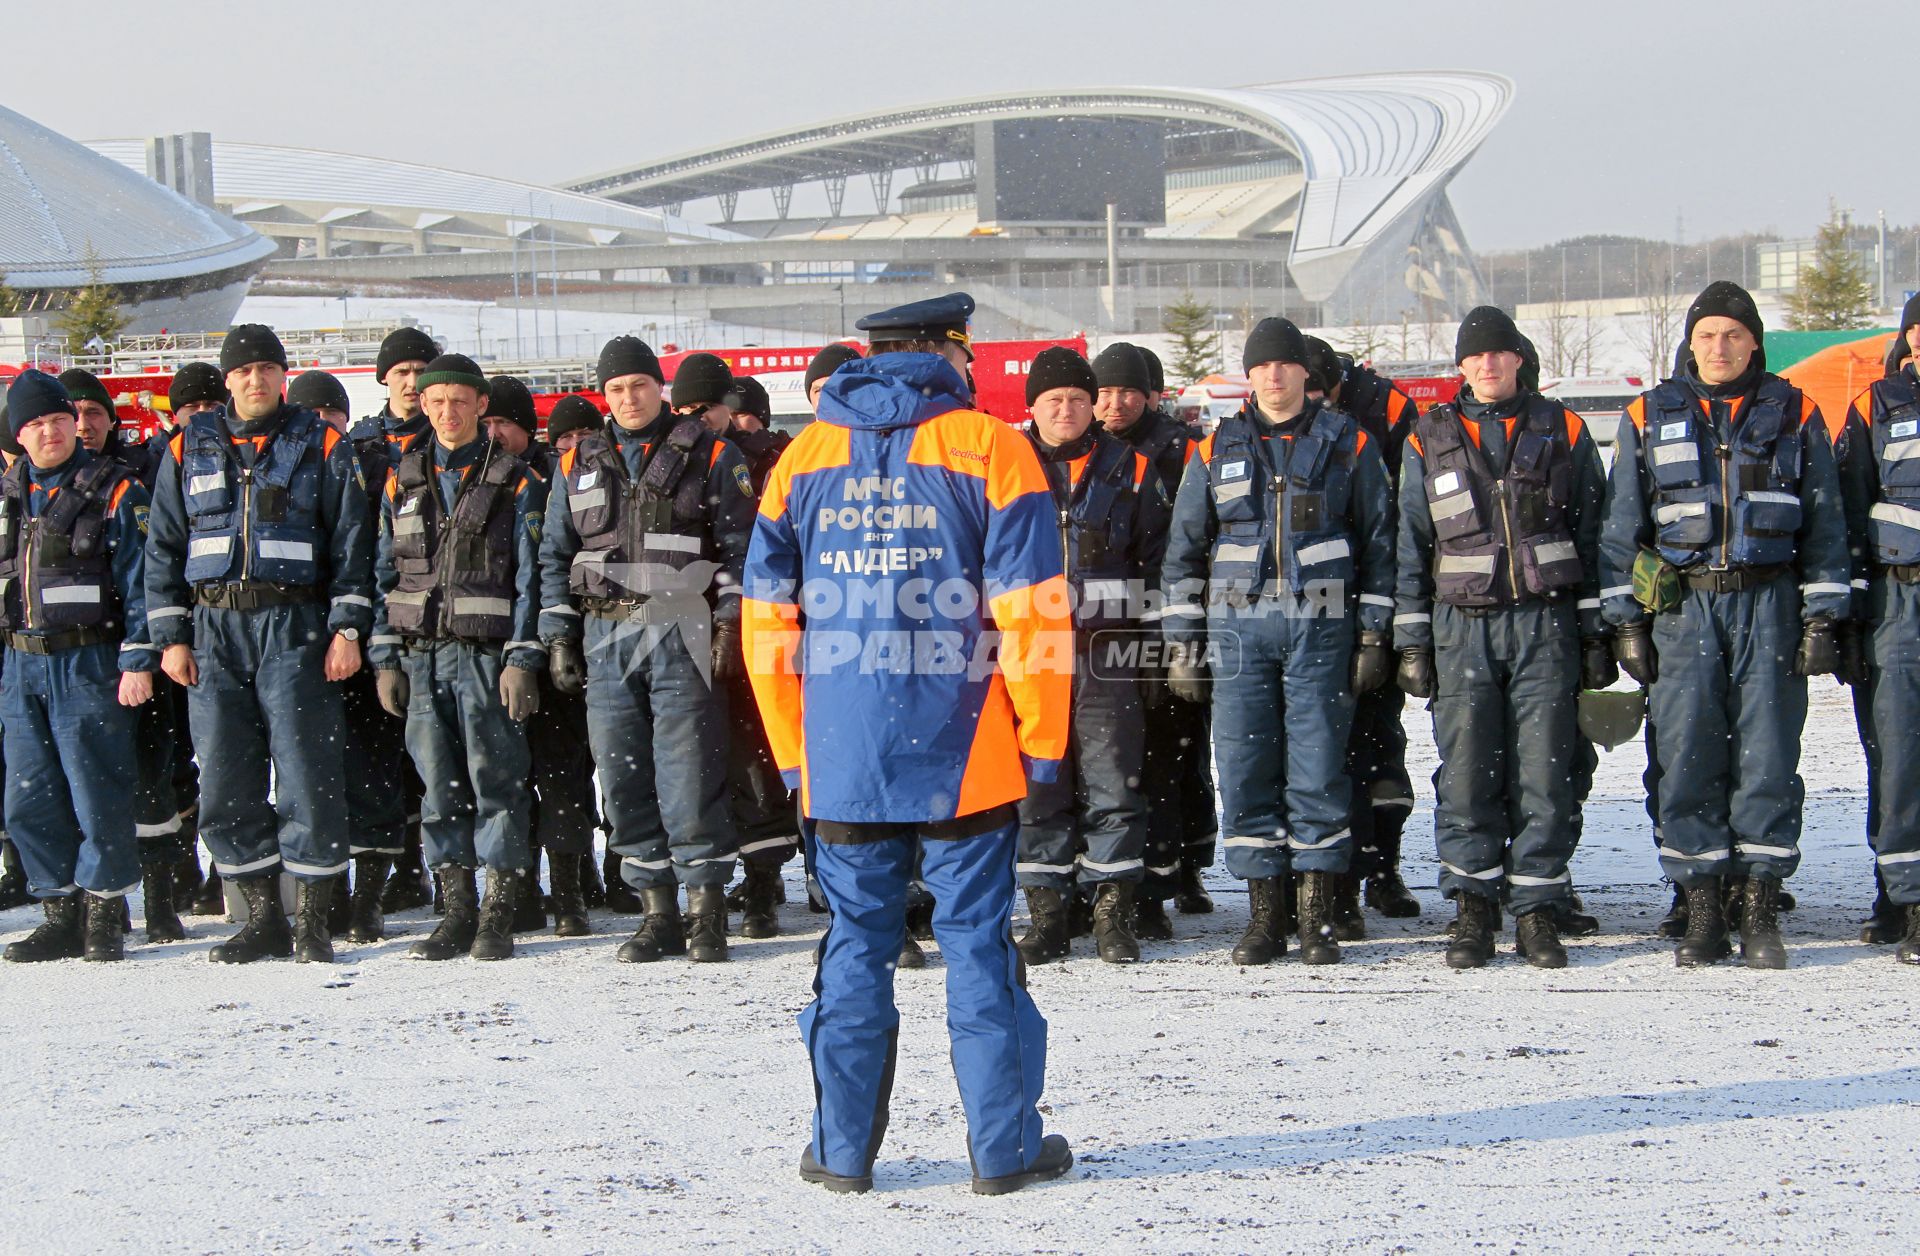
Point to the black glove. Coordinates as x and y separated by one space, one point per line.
566 666
1372 664
519 692
1819 649
390 685
1853 653
1416 671
1633 646
1597 668
1188 682
729 663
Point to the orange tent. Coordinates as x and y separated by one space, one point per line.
1837 374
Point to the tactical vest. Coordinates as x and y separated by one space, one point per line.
1096 532
258 523
1725 506
628 526
455 568
56 571
1500 539
1281 505
1893 523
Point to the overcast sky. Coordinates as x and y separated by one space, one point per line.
1737 116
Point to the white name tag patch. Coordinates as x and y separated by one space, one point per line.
587 481
1448 483
1233 471
410 505
1900 431
1673 431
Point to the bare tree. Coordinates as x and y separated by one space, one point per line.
1364 339
1659 325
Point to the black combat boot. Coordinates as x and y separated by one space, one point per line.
839 1183
1046 937
105 939
1317 945
1888 920
1536 939
313 921
569 900
507 889
156 897
530 908
408 887
1571 920
1705 941
920 921
61 937
707 924
661 933
759 909
265 935
1348 924
212 899
1389 895
1150 920
1264 941
1476 919
366 921
339 905
1191 899
452 937
593 891
911 956
1674 923
1113 908
622 899
1909 949
1760 944
1054 1159
13 878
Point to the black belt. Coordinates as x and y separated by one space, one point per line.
1909 574
239 596
633 611
1734 579
54 642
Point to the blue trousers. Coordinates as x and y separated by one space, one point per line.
378 789
1096 797
70 764
1506 723
157 813
851 1029
1893 758
1730 711
659 734
264 705
471 757
1282 710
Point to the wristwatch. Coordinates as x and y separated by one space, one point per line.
351 634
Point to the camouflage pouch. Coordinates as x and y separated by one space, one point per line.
1656 583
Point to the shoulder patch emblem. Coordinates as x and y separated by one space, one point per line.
740 478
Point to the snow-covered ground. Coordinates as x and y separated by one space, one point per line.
562 1102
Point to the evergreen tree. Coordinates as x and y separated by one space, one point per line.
9 300
1833 294
1196 344
92 311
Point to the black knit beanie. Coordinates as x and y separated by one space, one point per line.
628 355
1120 365
197 381
1156 374
316 390
34 395
405 344
1487 329
1323 365
508 398
826 362
1060 367
1725 299
454 368
249 343
84 385
750 397
702 379
1273 340
572 413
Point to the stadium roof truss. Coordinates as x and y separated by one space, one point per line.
1377 152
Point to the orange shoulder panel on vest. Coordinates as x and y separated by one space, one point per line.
1140 465
1202 449
1360 440
118 494
1637 413
177 445
566 460
328 440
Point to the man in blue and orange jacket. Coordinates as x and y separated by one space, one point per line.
900 539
